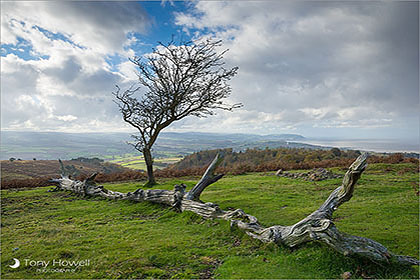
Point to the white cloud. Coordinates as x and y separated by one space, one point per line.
330 64
62 79
128 70
67 118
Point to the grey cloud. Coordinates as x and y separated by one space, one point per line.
70 73
101 82
20 84
93 100
67 72
103 20
93 24
334 56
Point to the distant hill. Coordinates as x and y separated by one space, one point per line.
269 159
26 169
53 145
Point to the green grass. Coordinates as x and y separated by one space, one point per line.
142 240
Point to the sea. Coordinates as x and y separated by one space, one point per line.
373 145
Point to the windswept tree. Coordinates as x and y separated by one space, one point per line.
174 82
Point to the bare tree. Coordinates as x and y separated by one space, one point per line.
179 81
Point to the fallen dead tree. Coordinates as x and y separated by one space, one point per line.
318 226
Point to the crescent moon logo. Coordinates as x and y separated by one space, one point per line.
16 265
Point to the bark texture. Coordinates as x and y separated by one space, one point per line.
318 226
149 166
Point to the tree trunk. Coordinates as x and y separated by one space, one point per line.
149 164
318 226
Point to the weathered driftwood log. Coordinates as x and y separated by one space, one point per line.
318 226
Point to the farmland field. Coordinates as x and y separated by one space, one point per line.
122 239
137 162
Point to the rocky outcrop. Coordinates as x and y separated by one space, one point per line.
316 174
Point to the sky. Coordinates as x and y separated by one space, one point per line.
320 69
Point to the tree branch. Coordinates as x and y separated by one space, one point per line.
208 178
345 191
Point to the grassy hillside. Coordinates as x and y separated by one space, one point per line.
26 169
122 239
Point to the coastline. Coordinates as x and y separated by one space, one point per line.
370 145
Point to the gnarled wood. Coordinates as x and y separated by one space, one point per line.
208 178
318 226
